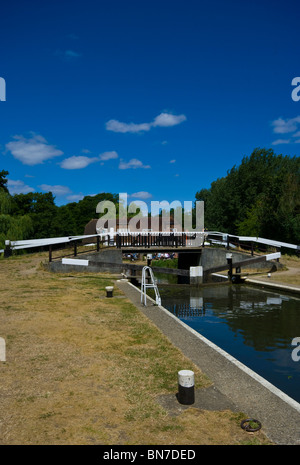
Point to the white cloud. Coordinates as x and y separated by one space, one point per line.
75 197
281 141
172 161
167 120
117 126
76 163
281 126
141 195
108 155
162 120
134 163
287 126
81 161
18 187
56 189
32 151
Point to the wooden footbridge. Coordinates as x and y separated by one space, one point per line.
189 245
157 241
151 240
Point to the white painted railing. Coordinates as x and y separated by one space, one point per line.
260 240
222 239
31 243
152 284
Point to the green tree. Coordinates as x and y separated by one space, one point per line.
86 208
64 223
41 209
3 180
260 197
12 227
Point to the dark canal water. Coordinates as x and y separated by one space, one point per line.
253 325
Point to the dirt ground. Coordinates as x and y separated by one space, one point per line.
291 273
288 274
82 368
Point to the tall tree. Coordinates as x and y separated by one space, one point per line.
3 180
12 227
42 210
261 197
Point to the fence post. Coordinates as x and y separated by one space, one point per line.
50 253
7 250
229 262
75 248
186 387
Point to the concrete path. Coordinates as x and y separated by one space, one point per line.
264 281
240 386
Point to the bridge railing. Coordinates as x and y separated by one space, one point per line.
249 243
107 239
153 239
62 244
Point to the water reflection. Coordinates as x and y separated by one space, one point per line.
264 320
253 325
188 310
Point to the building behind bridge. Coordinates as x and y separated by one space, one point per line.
133 225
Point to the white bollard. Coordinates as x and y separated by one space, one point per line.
196 274
109 291
186 387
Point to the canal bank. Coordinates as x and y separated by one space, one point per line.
266 282
278 413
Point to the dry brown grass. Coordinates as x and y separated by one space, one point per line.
288 274
291 273
84 369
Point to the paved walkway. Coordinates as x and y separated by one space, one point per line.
243 389
276 285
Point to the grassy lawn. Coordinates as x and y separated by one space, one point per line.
84 369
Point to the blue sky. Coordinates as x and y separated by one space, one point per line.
156 99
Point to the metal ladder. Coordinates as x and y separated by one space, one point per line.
152 285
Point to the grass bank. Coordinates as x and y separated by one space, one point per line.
84 369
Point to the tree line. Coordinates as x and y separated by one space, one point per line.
36 216
260 197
